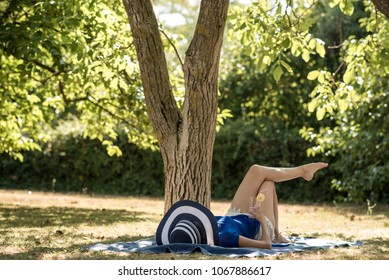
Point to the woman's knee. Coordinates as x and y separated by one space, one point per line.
256 169
268 185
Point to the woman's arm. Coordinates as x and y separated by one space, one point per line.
248 242
265 242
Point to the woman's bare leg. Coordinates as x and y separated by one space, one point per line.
268 205
257 175
278 238
270 208
262 179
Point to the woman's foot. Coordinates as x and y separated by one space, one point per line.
280 239
310 169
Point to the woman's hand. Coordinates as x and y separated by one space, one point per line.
260 217
257 213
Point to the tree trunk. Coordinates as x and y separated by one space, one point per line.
185 137
382 6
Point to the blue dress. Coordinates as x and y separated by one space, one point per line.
230 227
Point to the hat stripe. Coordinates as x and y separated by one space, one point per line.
194 228
190 210
190 229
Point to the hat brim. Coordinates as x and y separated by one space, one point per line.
190 209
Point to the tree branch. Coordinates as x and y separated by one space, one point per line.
203 54
338 69
48 68
298 17
161 105
93 101
201 72
174 47
382 6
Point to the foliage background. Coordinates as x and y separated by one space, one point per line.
312 82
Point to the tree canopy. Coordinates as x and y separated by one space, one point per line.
60 59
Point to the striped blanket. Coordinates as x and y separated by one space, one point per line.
150 246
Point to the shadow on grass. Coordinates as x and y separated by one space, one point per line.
62 216
78 250
62 229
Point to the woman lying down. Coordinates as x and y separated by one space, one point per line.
251 220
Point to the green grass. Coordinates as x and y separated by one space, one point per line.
56 226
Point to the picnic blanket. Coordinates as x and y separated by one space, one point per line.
149 246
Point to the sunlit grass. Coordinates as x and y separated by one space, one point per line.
56 226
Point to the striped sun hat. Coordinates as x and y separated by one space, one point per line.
188 222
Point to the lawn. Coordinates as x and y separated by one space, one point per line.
38 225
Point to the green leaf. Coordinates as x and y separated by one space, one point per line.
349 75
243 26
114 83
310 152
296 48
107 143
18 156
312 105
286 66
129 69
321 78
266 60
262 65
360 49
80 55
334 3
320 113
33 98
330 110
277 73
343 104
306 56
320 49
286 43
347 7
313 75
114 150
312 44
226 113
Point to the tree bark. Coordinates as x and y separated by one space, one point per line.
186 137
382 6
